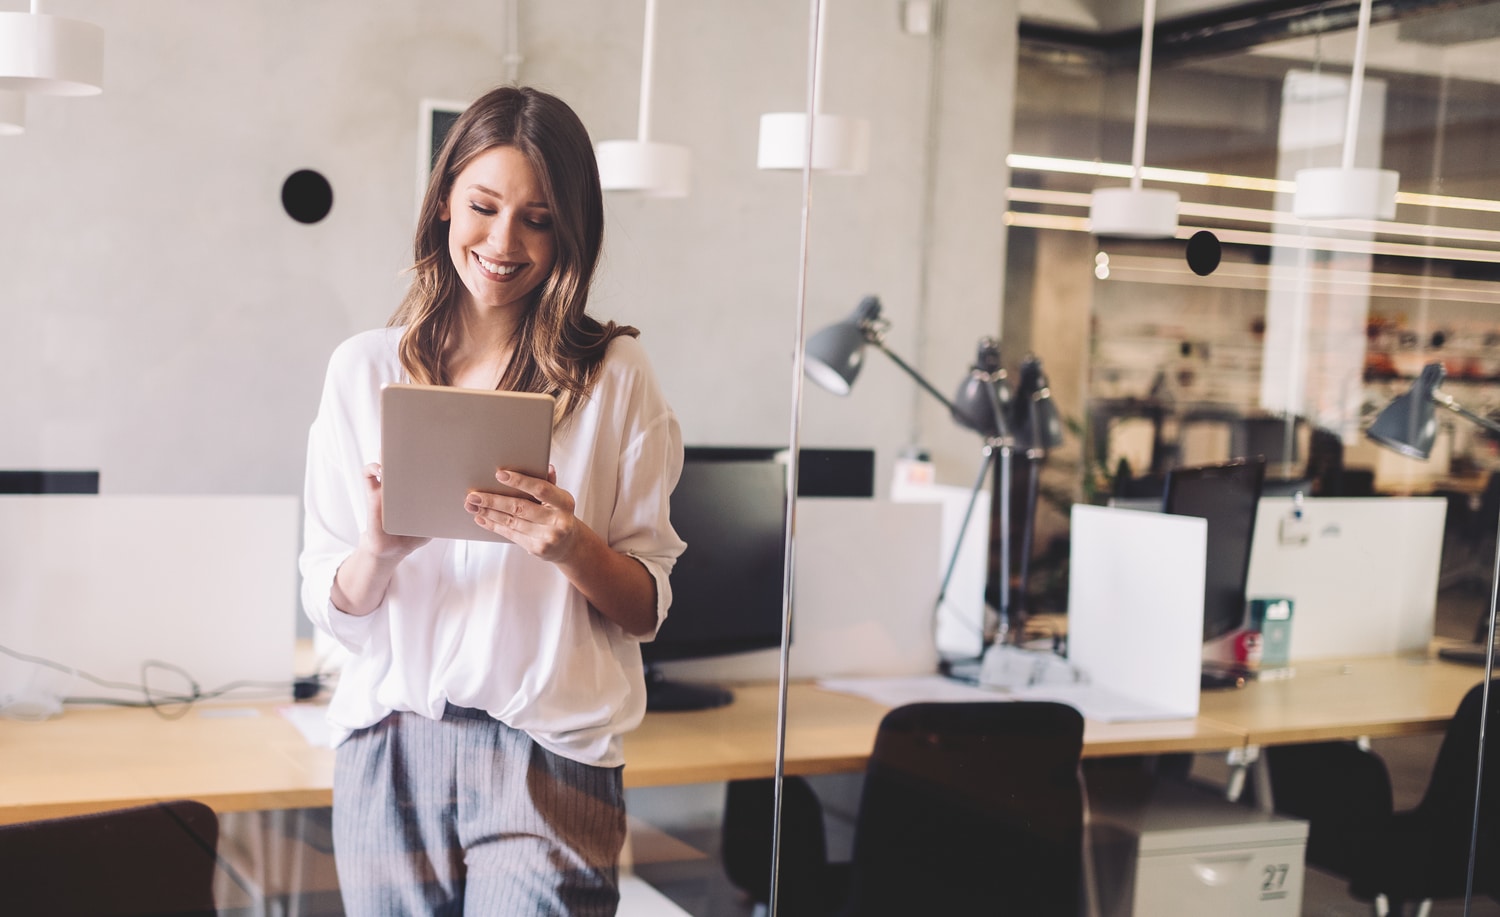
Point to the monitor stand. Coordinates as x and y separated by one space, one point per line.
664 694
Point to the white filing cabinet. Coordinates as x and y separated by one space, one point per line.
1184 850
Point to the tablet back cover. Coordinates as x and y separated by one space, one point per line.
438 443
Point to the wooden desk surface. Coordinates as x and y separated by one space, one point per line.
247 756
831 733
235 758
1376 696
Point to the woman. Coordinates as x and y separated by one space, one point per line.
479 716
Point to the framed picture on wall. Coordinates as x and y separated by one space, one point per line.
436 119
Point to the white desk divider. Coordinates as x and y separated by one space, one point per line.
1362 573
960 624
103 583
1135 608
866 581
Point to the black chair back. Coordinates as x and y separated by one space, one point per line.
150 860
971 808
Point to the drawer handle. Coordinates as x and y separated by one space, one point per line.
1222 870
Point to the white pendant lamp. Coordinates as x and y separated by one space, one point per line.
654 169
841 144
52 55
1346 192
1136 212
12 113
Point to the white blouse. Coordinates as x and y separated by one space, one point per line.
484 624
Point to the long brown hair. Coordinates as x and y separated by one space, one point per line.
558 346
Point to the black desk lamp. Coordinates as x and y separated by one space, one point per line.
983 404
1408 426
1038 428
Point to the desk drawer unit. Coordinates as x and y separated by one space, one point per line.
1189 853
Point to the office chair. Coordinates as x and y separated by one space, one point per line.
1388 857
149 860
966 808
809 883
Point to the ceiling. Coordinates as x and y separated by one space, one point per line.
1113 15
1426 31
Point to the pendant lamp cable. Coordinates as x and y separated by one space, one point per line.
1356 83
513 58
1142 94
648 58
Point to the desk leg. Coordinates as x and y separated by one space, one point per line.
1249 760
1260 769
1239 760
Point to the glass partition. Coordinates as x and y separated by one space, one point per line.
905 273
1287 347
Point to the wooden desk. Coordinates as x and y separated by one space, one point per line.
247 756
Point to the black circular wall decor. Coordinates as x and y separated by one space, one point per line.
306 196
1203 252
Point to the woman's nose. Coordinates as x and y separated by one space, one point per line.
502 233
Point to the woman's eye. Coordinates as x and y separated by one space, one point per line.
539 224
481 209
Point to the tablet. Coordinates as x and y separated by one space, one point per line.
438 443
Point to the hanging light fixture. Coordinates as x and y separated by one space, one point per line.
12 113
50 54
1345 192
1136 212
841 144
656 169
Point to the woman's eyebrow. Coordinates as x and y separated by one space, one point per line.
493 193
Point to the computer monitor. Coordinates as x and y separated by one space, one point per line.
822 472
1226 496
48 482
727 585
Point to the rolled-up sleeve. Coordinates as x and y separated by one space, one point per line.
641 526
332 515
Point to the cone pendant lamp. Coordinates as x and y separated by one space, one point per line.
841 145
654 169
1347 192
1136 212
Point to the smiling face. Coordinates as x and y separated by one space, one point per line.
500 233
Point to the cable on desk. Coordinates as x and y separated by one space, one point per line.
169 705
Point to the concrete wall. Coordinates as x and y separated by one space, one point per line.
166 322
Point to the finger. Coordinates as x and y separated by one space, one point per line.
372 473
552 474
535 488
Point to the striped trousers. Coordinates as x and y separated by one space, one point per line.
466 815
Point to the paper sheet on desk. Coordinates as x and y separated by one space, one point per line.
915 689
1094 703
312 722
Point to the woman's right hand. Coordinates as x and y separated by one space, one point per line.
383 545
361 581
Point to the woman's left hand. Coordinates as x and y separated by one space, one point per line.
543 525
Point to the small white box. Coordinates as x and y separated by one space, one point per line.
1187 851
